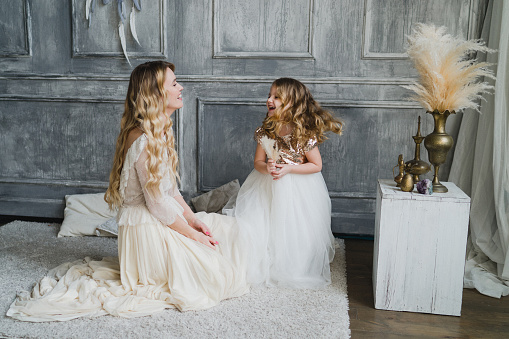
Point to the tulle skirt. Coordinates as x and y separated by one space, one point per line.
286 225
157 268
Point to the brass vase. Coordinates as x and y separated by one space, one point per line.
438 143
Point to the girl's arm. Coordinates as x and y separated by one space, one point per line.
313 165
259 161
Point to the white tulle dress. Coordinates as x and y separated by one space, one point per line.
286 223
157 267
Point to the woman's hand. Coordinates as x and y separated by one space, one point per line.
281 171
205 240
200 226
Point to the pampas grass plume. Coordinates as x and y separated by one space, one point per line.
270 147
448 79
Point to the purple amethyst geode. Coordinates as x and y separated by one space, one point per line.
425 186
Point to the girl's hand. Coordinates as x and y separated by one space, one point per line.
271 166
281 171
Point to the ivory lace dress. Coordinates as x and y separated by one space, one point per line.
287 222
157 267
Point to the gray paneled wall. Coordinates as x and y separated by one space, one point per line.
63 81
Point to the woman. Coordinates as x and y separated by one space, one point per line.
162 243
168 257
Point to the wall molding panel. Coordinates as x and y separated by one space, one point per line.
409 12
221 31
202 151
218 79
19 43
55 182
32 98
105 40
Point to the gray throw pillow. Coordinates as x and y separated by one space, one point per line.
109 228
214 201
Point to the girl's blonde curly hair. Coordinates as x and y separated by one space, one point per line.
144 108
299 108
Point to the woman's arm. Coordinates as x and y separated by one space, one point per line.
191 218
313 165
188 213
161 208
190 232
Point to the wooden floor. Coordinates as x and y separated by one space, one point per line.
481 316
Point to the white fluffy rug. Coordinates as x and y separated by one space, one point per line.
28 250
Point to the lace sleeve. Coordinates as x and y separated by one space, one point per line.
173 191
160 206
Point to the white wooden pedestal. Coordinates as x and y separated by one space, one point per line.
419 251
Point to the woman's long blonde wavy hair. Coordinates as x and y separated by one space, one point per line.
300 110
144 108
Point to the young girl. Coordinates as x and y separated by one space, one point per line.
283 208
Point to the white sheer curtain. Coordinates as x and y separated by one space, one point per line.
481 168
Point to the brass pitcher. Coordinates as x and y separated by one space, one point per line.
438 143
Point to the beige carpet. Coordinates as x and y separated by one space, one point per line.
28 250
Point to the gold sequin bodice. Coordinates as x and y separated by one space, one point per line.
288 151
